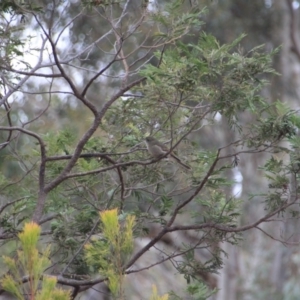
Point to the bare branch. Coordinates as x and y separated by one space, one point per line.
63 73
22 81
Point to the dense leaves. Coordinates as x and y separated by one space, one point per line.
74 138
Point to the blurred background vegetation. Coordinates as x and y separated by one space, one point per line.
266 263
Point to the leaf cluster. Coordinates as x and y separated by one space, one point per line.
108 254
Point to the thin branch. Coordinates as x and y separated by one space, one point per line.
173 216
228 228
22 81
91 155
87 103
45 109
81 246
119 171
11 203
87 135
49 218
32 74
276 239
28 132
101 72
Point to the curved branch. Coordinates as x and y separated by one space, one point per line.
81 246
22 81
173 216
2 207
63 73
101 72
28 132
228 228
119 171
276 239
90 155
86 137
30 74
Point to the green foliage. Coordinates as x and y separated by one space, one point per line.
30 264
60 142
210 73
166 205
173 23
20 7
12 44
108 254
196 291
190 267
99 3
192 88
199 291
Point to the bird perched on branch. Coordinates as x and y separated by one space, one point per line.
158 149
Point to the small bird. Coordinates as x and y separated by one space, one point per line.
158 149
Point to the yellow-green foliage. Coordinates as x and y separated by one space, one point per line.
31 264
109 253
155 296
